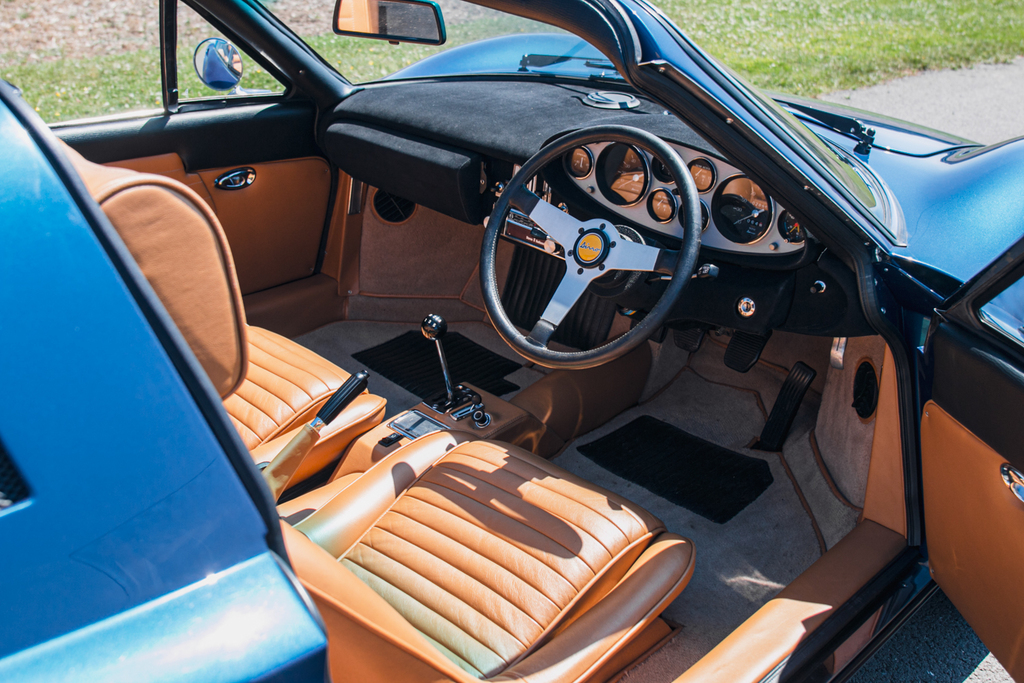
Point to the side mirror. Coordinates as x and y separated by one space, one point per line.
397 21
218 64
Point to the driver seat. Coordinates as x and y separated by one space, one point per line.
270 385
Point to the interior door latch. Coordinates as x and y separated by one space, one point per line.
235 179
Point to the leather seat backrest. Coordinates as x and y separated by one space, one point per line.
181 248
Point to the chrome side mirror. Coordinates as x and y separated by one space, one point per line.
397 21
218 64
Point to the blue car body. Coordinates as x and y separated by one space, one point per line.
132 547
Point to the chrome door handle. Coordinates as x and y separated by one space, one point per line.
1013 479
235 179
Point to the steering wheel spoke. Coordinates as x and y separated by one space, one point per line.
568 292
560 226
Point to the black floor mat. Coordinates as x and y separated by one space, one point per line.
704 478
410 361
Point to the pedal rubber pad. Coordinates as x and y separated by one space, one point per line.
787 403
744 350
690 339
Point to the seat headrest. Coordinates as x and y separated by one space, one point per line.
181 248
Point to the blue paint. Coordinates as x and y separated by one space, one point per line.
132 497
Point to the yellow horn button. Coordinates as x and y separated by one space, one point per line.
589 248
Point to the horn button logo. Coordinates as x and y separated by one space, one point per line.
591 248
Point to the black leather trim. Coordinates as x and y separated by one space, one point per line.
982 387
227 136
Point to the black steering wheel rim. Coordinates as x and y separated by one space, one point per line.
685 261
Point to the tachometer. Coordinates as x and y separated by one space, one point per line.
622 174
741 211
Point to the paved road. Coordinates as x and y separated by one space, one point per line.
984 103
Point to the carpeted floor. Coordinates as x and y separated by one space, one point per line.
338 341
744 562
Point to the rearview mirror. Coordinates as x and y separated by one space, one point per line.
397 21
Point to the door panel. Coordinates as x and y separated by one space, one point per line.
275 224
974 524
975 551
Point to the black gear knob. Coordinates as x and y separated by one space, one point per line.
433 326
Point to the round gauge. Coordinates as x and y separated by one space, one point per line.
662 205
703 173
660 170
791 229
741 210
705 217
579 163
622 174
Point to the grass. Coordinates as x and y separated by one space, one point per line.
803 47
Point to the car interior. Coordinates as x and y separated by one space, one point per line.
690 509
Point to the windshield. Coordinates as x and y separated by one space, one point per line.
515 45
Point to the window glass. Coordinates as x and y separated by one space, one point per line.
365 59
73 60
1005 312
192 30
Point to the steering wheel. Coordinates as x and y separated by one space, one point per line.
592 249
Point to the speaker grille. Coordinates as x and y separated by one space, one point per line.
392 208
13 488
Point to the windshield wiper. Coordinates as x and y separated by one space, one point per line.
846 125
541 61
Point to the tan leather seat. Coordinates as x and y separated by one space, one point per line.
457 560
271 386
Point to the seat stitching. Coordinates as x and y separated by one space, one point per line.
426 607
283 379
467 575
643 525
239 424
479 526
256 409
500 540
523 524
443 590
550 512
296 358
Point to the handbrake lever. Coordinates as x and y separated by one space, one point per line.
278 474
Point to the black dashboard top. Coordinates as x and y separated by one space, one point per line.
501 118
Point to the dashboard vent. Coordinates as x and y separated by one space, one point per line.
392 208
13 488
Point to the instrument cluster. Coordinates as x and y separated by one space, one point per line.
736 214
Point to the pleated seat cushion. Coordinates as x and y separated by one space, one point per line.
490 552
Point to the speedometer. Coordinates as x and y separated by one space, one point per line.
622 174
741 211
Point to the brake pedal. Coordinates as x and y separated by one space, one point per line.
689 339
744 349
787 403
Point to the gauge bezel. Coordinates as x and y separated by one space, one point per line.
705 217
782 234
567 162
716 209
714 173
650 205
606 190
668 176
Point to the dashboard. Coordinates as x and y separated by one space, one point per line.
736 214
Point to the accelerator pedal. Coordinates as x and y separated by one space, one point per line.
689 339
787 403
744 350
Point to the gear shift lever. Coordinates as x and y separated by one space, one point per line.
434 327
